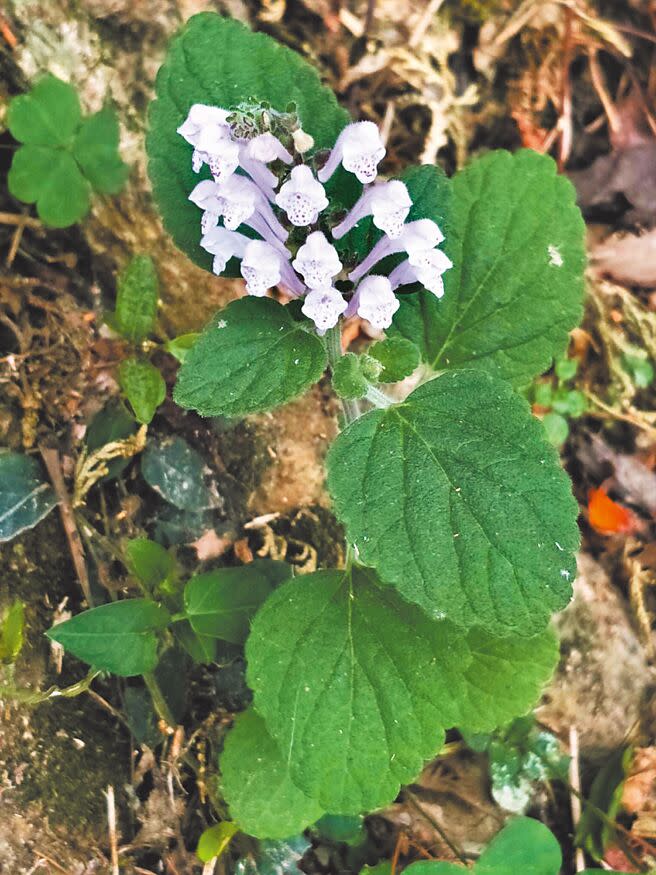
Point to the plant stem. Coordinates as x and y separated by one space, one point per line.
350 408
160 703
378 398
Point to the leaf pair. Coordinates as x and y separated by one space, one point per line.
356 688
64 156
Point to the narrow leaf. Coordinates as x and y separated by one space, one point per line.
144 387
136 299
119 637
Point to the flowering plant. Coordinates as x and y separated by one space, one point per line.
460 523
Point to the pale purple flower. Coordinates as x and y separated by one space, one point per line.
324 307
267 148
360 149
239 201
425 267
201 116
260 267
217 148
387 202
302 197
375 301
224 244
415 237
317 261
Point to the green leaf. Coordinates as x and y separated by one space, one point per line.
398 356
523 847
556 428
51 179
179 347
12 626
566 368
594 833
459 502
144 387
136 299
48 115
515 236
252 357
215 839
261 796
25 497
339 828
357 686
96 151
178 473
112 423
222 603
149 562
119 637
347 377
218 61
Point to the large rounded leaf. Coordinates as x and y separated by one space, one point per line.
252 357
458 501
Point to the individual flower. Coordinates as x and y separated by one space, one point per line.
360 149
217 148
387 202
324 307
267 148
239 201
415 237
425 267
375 301
317 261
302 197
201 116
224 245
260 267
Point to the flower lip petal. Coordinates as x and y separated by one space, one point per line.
317 261
302 197
359 148
324 306
200 116
376 301
260 267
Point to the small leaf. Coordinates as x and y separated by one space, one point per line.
556 428
460 503
179 347
339 828
51 179
222 603
334 660
206 64
96 151
398 356
144 387
515 236
136 299
149 562
25 497
214 840
119 637
48 115
252 357
261 796
566 368
11 632
347 377
178 473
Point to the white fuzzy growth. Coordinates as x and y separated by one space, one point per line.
324 307
302 197
317 261
555 258
260 267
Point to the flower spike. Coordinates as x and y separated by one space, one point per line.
418 236
375 301
302 197
360 149
387 202
324 307
317 261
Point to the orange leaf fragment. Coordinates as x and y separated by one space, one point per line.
607 516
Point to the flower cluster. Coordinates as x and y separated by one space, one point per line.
291 222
